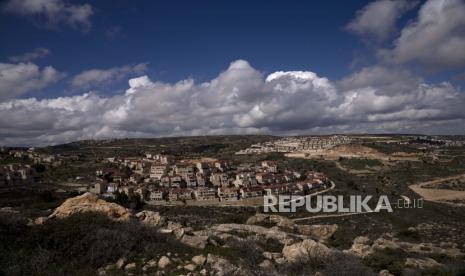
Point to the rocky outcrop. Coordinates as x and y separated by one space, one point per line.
421 263
273 220
150 218
266 233
362 247
305 250
316 232
90 203
194 241
221 267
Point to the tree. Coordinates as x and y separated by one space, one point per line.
121 198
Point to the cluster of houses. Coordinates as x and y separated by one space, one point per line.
21 171
298 144
158 177
437 141
38 158
17 174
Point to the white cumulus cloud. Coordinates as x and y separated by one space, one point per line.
96 77
54 11
241 100
30 56
377 20
18 79
436 38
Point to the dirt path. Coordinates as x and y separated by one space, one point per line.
438 195
332 216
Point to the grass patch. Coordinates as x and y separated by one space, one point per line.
359 163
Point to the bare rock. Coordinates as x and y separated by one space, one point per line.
130 266
448 245
190 267
165 231
305 249
171 225
361 247
266 264
199 260
220 266
101 271
362 240
120 263
152 263
421 263
194 241
163 262
361 250
213 242
267 233
149 218
275 220
317 232
178 233
385 272
271 255
280 261
8 210
104 270
40 220
90 203
382 244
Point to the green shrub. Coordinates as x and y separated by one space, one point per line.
77 245
392 260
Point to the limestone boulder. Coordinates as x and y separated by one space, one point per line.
385 272
199 260
422 263
272 220
304 250
194 241
317 232
163 262
221 267
90 203
256 230
149 218
361 247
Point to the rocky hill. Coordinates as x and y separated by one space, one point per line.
88 235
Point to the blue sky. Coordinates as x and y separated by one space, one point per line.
388 51
196 39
